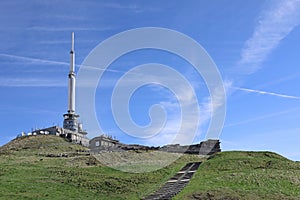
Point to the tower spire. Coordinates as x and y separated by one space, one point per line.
72 48
72 78
70 119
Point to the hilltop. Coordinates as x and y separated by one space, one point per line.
245 175
49 143
49 167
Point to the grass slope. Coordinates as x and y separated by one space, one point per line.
48 167
245 175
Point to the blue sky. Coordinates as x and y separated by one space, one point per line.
253 43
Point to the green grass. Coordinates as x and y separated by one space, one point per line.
131 161
245 175
27 173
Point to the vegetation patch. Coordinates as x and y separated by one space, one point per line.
30 173
245 175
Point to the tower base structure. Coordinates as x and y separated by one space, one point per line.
72 130
71 122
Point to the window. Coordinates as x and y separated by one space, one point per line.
97 144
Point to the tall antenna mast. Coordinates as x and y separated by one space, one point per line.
70 121
72 78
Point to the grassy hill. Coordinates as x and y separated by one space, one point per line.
245 175
48 167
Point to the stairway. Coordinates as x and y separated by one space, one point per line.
176 183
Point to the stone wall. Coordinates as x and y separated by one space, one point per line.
104 143
204 148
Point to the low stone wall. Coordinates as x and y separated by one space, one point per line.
204 148
122 147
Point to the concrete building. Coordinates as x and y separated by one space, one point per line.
104 142
72 136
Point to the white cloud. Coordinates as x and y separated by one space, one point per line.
274 25
73 28
40 81
132 7
31 82
51 42
174 123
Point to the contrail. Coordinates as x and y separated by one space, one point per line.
37 60
266 93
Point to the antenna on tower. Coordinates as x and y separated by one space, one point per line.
72 48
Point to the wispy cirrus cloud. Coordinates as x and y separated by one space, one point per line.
68 16
31 82
133 7
274 25
52 62
73 28
40 81
66 41
206 106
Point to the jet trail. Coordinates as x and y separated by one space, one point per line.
266 93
